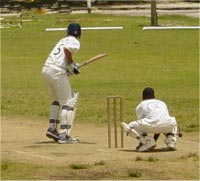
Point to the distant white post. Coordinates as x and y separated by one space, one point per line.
90 28
89 6
154 19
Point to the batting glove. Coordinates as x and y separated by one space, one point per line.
72 68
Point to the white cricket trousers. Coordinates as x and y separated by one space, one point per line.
60 90
58 84
148 126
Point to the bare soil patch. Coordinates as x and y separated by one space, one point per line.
25 141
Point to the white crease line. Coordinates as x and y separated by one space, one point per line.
100 150
189 142
34 155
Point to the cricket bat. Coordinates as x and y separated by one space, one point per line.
93 59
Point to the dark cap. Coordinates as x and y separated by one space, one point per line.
74 29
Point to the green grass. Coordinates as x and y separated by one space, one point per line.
149 159
136 174
101 162
165 60
14 170
195 156
79 166
143 169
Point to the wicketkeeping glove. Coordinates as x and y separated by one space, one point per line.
72 68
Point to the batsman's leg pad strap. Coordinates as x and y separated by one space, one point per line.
52 121
68 108
55 103
66 126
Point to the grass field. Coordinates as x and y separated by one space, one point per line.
85 171
166 60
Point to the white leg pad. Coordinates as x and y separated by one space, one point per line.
126 127
73 102
130 131
134 133
67 115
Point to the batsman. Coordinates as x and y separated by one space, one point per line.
56 71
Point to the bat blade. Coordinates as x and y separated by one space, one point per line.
92 59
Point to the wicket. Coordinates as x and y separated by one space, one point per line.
115 113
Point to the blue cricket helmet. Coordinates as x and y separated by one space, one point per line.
74 29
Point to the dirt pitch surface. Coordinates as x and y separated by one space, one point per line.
25 141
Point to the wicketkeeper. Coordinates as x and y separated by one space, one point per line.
153 117
56 71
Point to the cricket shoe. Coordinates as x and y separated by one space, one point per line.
150 144
64 139
170 141
52 134
126 127
171 147
139 145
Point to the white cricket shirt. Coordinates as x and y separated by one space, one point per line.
154 110
57 55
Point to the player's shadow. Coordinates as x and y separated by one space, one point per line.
53 142
45 142
149 151
87 143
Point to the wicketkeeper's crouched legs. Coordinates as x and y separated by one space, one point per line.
169 130
145 142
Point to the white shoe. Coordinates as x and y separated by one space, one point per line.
67 139
170 141
150 143
171 146
126 127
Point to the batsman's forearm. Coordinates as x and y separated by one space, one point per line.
68 55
